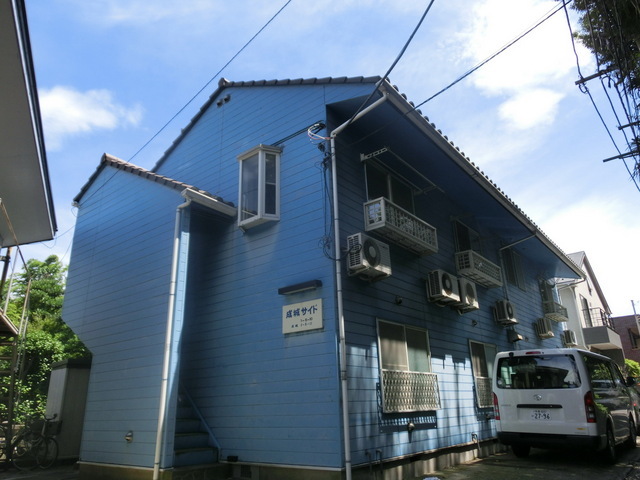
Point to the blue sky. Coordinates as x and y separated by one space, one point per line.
112 73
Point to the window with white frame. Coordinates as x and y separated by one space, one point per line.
513 268
466 238
259 197
381 183
407 383
482 357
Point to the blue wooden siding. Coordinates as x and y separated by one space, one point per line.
268 397
449 332
116 301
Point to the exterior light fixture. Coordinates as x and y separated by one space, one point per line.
300 287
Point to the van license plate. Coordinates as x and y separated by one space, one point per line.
540 415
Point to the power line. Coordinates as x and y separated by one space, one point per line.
469 72
487 60
584 89
393 65
211 80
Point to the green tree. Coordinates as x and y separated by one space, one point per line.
40 287
632 368
611 30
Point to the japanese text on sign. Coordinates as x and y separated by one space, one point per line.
299 317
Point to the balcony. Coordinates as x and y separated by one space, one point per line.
400 227
477 268
554 311
599 332
484 392
404 391
595 317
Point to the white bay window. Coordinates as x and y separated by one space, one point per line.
259 186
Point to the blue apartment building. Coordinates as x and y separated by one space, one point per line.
311 282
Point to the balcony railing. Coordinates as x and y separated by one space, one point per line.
477 268
404 391
484 392
400 227
596 317
554 311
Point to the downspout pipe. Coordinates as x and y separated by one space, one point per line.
164 384
338 269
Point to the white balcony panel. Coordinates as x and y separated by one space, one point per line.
554 311
477 268
400 227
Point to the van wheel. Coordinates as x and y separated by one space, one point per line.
610 454
521 451
631 441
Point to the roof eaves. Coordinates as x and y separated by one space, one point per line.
474 171
224 83
119 164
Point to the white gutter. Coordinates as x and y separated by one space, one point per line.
164 386
338 264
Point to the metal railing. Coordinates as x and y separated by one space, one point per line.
477 268
404 391
484 392
554 311
597 317
400 226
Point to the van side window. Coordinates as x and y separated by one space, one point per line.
600 374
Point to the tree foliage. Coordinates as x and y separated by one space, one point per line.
632 368
611 30
39 291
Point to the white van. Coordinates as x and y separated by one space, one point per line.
561 398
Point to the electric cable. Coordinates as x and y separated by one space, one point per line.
552 12
393 65
487 60
584 89
211 80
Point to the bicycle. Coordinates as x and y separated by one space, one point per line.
3 445
33 446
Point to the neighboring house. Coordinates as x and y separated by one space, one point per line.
589 315
318 289
627 328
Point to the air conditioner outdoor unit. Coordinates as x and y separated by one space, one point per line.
468 296
543 328
367 257
569 338
505 313
442 287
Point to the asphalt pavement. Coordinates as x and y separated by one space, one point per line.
539 465
546 465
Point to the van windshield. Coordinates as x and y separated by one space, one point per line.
538 371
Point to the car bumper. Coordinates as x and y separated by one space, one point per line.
551 441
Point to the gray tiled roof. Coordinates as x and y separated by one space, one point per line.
110 160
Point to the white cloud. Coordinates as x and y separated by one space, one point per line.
67 112
139 12
527 109
603 228
532 74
